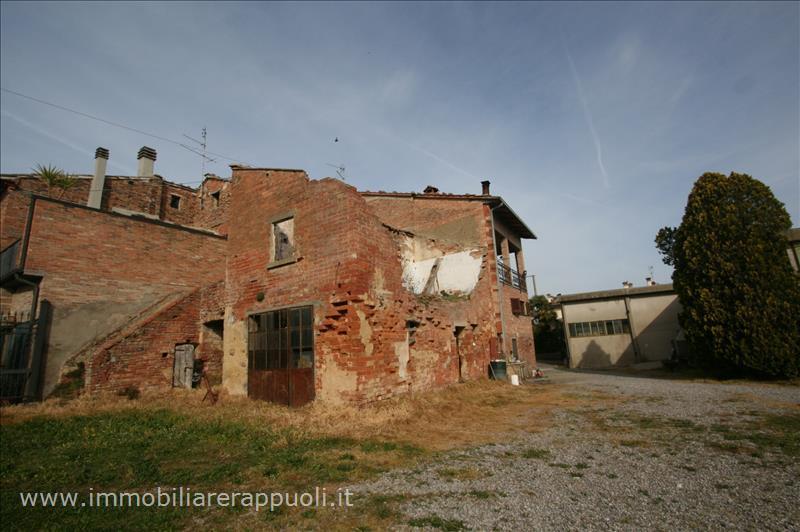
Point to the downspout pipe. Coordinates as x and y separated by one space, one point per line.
19 277
637 356
497 275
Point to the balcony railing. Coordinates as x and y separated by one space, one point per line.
8 259
511 277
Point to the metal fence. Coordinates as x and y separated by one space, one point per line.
21 355
511 277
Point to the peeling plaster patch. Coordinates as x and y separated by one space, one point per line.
456 272
335 382
401 350
365 332
234 366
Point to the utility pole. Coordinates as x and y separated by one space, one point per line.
533 280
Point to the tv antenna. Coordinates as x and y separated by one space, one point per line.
339 170
204 145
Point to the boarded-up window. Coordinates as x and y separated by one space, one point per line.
283 239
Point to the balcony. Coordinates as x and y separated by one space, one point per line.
9 260
511 277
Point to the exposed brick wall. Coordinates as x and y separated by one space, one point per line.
88 255
427 215
144 357
212 213
100 270
13 214
144 195
188 207
349 267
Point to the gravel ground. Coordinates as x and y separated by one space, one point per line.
648 453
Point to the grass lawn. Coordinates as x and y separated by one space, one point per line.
113 444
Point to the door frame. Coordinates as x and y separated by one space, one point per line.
278 384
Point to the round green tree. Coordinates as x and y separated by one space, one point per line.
740 297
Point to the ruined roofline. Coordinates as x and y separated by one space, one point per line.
244 167
433 195
505 213
11 177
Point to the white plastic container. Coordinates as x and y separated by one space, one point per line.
515 380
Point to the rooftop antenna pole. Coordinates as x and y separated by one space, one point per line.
340 169
203 144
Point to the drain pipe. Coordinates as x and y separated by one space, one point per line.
499 284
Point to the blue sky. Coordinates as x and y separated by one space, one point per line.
591 119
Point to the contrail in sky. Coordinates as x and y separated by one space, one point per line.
587 114
41 131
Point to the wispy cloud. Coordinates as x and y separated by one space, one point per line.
587 114
63 141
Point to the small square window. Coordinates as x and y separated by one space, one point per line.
174 201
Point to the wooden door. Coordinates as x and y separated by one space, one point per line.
281 356
184 366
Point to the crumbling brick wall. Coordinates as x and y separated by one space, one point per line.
465 221
374 337
144 357
214 198
100 269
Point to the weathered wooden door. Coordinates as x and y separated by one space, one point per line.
184 366
281 356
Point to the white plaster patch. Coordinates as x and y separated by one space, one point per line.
456 272
402 352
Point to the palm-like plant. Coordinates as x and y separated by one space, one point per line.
55 177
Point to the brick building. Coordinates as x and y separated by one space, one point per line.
82 267
312 290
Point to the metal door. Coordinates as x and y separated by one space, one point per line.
281 356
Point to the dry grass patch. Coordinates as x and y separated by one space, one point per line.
466 414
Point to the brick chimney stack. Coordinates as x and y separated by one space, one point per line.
147 158
485 187
99 178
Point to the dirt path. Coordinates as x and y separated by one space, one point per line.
643 452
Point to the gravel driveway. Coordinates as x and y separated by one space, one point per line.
639 452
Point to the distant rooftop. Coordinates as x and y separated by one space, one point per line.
616 293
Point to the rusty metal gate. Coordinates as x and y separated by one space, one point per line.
281 356
22 346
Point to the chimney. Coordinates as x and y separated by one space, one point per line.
627 284
649 281
147 156
99 179
485 186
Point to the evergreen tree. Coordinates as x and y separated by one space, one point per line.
740 297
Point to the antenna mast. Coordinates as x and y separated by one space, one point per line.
203 144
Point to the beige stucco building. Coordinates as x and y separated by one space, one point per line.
614 328
793 236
